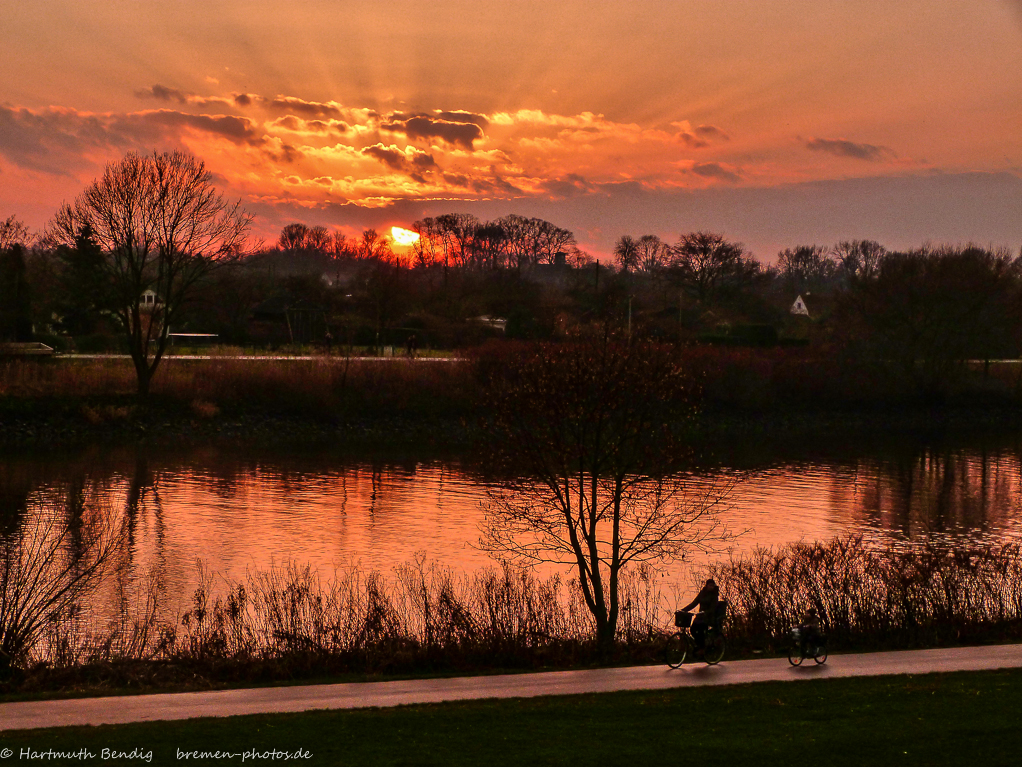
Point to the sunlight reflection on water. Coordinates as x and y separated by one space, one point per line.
237 513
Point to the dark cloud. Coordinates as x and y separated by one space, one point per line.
334 126
238 129
717 171
692 141
844 148
459 116
456 179
292 123
284 153
288 105
393 157
494 187
711 132
54 140
424 162
300 106
163 93
702 136
462 134
389 156
289 123
571 185
60 141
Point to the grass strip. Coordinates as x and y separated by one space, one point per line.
933 719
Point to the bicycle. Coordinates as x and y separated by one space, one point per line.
801 650
681 644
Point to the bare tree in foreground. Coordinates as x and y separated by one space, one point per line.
163 227
590 428
47 569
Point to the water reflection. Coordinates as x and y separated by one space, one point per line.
237 511
936 491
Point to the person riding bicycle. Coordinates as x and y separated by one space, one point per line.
707 599
809 632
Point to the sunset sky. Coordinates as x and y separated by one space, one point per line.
776 123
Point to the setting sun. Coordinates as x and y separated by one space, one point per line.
404 236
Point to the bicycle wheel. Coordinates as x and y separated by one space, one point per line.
795 656
821 655
714 649
676 650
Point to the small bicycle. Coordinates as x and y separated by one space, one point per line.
802 650
681 644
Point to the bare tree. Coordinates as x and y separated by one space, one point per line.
13 232
47 569
342 248
293 237
457 232
372 246
428 249
859 259
806 268
626 253
489 245
653 255
533 241
707 264
578 258
318 240
163 227
588 429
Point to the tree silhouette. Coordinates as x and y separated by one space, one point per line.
163 227
588 429
13 232
707 264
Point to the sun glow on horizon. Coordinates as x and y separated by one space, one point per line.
404 236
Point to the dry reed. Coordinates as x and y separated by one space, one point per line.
877 595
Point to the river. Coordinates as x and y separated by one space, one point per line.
237 510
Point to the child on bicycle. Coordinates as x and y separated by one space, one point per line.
809 631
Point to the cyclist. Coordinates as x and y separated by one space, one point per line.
707 599
809 631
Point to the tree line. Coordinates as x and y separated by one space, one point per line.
155 224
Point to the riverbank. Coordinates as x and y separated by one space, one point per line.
737 395
45 423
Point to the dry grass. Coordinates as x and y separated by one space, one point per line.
877 596
329 385
288 621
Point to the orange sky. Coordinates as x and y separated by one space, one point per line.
778 123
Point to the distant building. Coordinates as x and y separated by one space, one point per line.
799 307
150 313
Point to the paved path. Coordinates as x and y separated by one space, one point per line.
142 708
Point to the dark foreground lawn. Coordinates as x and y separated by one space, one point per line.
946 719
